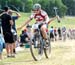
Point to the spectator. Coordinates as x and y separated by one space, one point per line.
59 33
55 34
51 33
64 33
7 22
69 33
1 42
23 37
14 31
26 34
73 33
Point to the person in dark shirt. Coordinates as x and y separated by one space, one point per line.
7 22
59 33
52 33
14 31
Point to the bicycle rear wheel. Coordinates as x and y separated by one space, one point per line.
47 50
36 51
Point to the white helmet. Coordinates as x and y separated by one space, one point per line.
36 6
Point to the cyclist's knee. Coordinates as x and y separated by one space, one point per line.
43 27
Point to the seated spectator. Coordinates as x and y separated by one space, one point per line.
23 36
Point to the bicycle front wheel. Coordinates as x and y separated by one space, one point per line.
36 49
47 50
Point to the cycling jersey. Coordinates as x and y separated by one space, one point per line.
41 17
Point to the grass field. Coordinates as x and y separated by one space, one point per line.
63 53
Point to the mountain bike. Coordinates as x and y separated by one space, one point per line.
38 45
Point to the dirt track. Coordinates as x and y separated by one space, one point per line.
63 53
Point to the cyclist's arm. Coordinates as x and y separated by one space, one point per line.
30 18
47 20
25 23
51 20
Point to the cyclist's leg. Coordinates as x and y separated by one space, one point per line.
44 34
43 30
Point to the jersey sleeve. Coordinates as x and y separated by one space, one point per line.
47 19
46 16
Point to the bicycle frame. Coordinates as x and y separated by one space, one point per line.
37 45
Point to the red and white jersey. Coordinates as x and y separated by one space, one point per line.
41 17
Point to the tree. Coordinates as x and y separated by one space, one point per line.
48 5
70 5
61 7
28 5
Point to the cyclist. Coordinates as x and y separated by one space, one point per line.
41 18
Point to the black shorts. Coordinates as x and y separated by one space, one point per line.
8 37
40 25
51 35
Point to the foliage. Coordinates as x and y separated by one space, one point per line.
71 6
64 6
